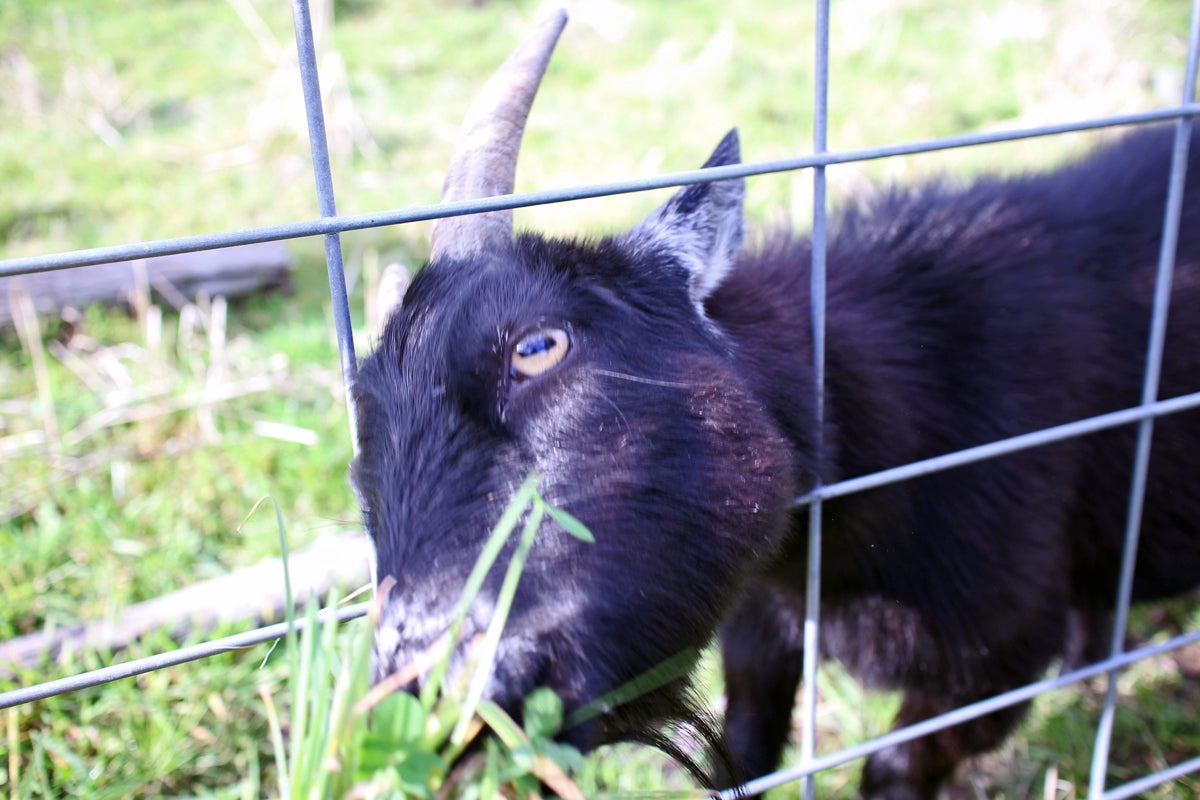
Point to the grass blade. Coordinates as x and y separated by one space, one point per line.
14 761
504 600
571 524
543 768
276 731
301 694
674 668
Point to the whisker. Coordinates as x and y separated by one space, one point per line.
638 379
616 408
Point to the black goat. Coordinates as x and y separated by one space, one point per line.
660 381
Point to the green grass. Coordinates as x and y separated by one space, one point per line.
175 118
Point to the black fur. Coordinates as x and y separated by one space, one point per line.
680 426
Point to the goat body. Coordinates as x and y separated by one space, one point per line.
661 383
958 316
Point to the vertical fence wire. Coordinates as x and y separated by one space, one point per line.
812 592
306 51
1145 432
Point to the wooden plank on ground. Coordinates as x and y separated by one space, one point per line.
231 271
253 593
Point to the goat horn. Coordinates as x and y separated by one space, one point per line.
484 163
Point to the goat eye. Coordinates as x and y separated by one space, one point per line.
538 351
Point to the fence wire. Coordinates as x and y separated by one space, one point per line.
812 589
424 213
330 225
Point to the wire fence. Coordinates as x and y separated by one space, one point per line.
330 225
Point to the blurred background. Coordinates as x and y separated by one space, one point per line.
134 441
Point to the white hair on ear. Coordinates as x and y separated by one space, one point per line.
701 225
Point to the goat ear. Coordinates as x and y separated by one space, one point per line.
701 224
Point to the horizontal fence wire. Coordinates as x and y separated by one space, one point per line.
182 655
963 714
422 213
1003 447
330 225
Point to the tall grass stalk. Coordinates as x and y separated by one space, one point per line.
14 763
29 331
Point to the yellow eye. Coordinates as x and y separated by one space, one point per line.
538 351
